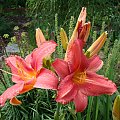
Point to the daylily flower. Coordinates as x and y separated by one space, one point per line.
29 73
116 108
78 78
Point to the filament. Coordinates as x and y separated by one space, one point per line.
9 73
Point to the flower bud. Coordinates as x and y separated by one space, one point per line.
64 39
116 108
97 45
39 37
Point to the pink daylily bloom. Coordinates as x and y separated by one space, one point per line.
29 73
79 78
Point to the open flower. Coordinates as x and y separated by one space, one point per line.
29 73
79 78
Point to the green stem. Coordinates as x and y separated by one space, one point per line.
48 100
2 80
117 93
56 115
79 117
108 107
89 108
97 106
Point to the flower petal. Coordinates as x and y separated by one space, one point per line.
20 69
28 85
26 88
11 93
95 64
15 101
96 85
44 50
61 67
82 16
73 56
28 59
84 33
66 90
80 101
46 80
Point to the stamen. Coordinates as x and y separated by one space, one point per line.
14 74
22 74
79 77
9 73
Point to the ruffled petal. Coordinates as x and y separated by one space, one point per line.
97 85
46 80
44 50
20 69
66 90
80 101
11 93
61 67
95 64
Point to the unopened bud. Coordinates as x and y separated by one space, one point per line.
116 108
39 37
97 45
64 39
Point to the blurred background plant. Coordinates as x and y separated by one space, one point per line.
50 16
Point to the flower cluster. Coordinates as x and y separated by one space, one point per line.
76 73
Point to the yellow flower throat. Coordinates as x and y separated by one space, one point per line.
79 77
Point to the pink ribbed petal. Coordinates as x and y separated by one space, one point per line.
67 97
97 85
28 59
61 67
73 55
84 60
11 93
44 50
80 101
17 64
46 80
95 64
66 90
11 62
